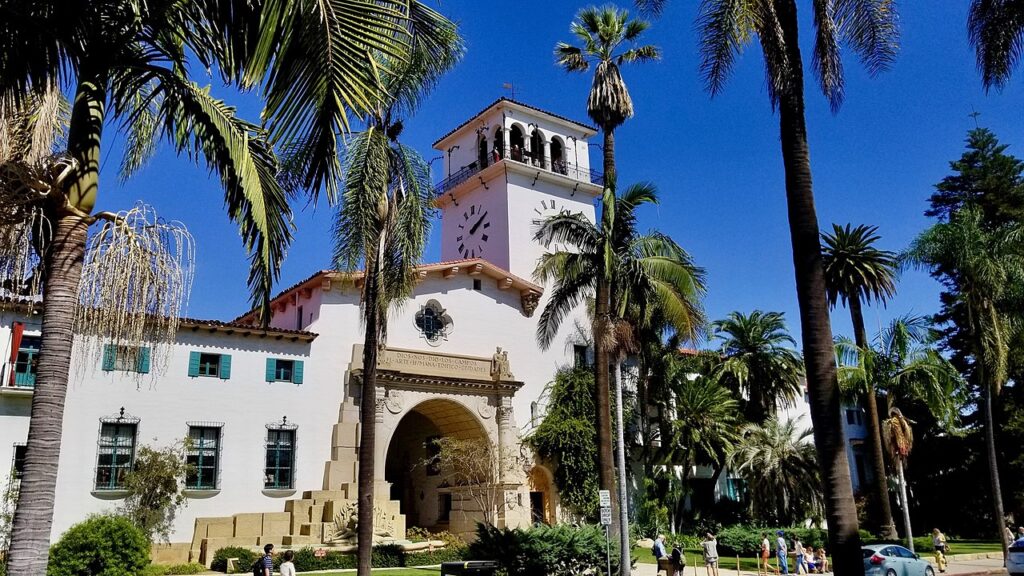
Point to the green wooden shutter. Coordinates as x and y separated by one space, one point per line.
193 364
297 372
109 357
271 369
143 362
225 366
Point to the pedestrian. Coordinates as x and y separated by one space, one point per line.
710 548
765 551
822 559
1020 532
780 552
264 566
939 545
659 552
678 561
798 550
287 567
1009 535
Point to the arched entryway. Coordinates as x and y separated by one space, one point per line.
542 496
425 500
517 142
558 156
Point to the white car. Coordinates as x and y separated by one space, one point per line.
1015 560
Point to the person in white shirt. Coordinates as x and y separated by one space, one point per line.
287 567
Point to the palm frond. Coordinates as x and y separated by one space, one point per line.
871 28
826 60
570 58
724 27
996 31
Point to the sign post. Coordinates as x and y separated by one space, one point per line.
605 500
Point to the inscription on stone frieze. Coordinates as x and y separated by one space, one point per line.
427 364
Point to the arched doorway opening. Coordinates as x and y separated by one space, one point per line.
557 156
481 155
516 142
499 143
425 499
537 148
542 496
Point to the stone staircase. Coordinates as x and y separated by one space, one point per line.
320 518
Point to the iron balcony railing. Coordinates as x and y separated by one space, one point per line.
522 157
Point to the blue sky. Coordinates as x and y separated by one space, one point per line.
716 161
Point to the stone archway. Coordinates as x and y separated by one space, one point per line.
543 496
425 500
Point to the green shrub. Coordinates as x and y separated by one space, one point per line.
154 570
553 550
740 540
102 545
387 556
190 568
306 561
447 554
246 558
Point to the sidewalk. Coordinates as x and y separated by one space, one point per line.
961 565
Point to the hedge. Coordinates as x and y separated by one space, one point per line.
101 546
384 556
746 540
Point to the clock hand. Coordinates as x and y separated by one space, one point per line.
478 223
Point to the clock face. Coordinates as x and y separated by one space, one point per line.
546 209
473 231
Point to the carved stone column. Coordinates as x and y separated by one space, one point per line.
503 416
546 146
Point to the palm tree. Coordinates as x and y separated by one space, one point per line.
899 441
996 30
781 471
383 225
856 273
602 32
704 423
758 362
870 29
981 267
126 65
904 365
650 272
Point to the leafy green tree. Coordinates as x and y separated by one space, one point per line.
758 362
856 272
603 32
781 471
899 441
155 489
567 437
126 64
383 224
103 545
869 28
996 30
982 269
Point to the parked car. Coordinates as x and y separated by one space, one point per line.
1015 560
893 560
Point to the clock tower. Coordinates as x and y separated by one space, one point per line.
506 169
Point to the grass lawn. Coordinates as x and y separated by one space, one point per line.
390 572
973 547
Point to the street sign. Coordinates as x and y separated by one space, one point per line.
605 498
606 516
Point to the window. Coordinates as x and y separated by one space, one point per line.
433 455
298 319
126 358
477 284
203 456
116 454
280 370
18 466
433 322
444 507
579 355
27 362
209 365
279 471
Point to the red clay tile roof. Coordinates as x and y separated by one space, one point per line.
518 103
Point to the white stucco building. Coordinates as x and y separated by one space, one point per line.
273 413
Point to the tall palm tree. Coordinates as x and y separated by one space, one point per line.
649 271
856 272
905 366
758 362
870 29
981 267
383 225
996 30
126 64
603 33
899 441
781 471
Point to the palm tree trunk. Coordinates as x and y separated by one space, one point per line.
33 517
368 423
880 494
816 331
602 323
993 467
620 449
906 505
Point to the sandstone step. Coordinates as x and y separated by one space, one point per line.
293 540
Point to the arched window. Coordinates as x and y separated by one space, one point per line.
558 156
482 152
499 143
537 148
516 142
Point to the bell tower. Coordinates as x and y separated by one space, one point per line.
506 168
